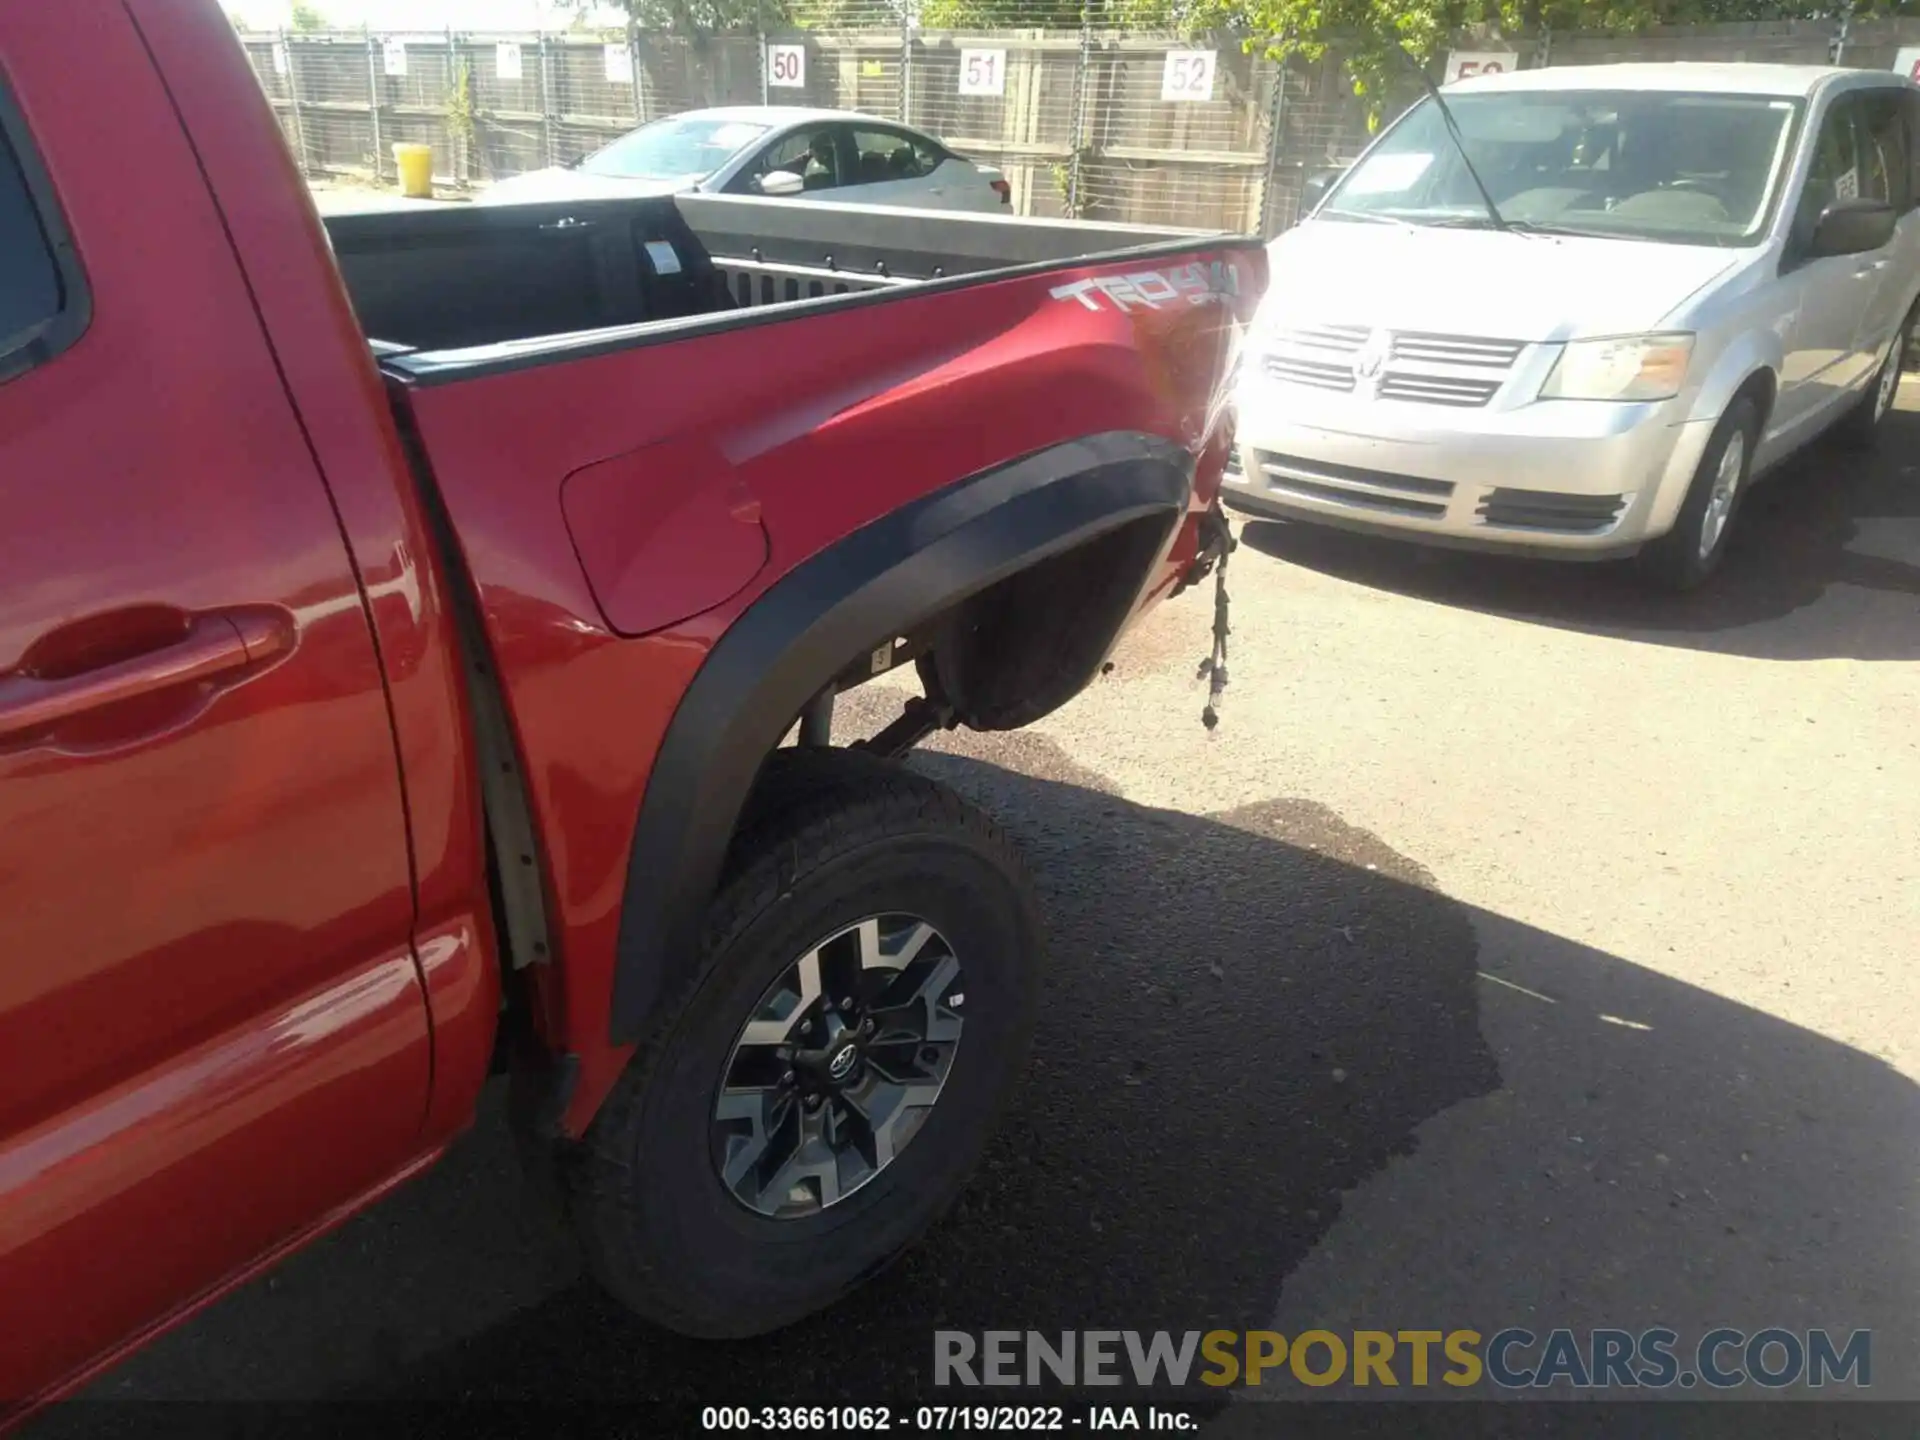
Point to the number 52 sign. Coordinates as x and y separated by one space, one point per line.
1188 75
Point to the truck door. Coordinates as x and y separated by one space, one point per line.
212 1030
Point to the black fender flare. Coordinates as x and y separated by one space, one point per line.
892 574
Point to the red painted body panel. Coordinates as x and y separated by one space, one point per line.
331 377
205 890
888 405
248 973
664 532
159 1188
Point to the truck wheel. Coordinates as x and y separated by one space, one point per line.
1687 554
1861 428
820 1092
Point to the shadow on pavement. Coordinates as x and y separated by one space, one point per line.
1247 1016
1820 550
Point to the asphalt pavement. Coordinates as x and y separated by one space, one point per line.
1522 950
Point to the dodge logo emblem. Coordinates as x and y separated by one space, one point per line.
1372 359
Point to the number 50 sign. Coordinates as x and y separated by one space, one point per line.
787 66
1462 63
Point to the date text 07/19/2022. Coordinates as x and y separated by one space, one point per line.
942 1419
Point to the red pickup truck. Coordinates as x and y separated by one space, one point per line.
418 639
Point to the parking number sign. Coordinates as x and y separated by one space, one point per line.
1462 63
983 72
787 66
1188 75
506 60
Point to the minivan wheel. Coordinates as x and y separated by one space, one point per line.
1861 428
1687 554
819 1094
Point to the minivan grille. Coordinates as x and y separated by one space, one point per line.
1354 488
1328 339
1456 350
1436 389
1462 371
1551 510
1321 374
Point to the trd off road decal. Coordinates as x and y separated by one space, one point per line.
1209 282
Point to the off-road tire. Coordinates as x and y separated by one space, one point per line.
1674 561
830 838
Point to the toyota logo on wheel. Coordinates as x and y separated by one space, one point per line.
842 1063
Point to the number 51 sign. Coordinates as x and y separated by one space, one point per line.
983 72
1188 75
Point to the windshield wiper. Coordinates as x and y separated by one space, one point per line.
1372 217
1547 227
1515 227
1459 140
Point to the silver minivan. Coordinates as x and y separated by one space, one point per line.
1651 284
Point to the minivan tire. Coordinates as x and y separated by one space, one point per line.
1864 423
1686 555
832 838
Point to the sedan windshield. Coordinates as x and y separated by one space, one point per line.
672 149
1696 169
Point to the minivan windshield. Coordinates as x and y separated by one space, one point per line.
1675 166
672 148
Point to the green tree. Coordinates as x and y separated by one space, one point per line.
308 17
1368 32
1176 16
695 17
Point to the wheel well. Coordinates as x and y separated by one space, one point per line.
1029 642
969 579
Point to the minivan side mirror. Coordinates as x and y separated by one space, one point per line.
1316 186
1851 227
781 182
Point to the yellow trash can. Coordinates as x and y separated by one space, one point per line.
415 164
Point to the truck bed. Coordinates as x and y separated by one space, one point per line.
432 280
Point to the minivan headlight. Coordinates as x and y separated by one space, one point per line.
1627 367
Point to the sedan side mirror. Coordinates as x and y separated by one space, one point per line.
781 182
1851 227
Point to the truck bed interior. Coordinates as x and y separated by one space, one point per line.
462 277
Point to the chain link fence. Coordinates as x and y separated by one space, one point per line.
1084 121
1099 124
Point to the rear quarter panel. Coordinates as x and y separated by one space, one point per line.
803 424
